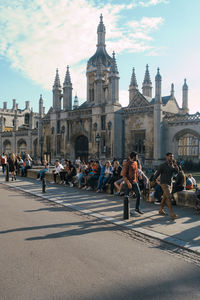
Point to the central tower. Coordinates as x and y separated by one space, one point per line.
102 74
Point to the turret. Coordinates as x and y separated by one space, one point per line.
99 66
133 87
67 91
158 80
113 82
57 93
185 97
76 104
27 105
172 91
14 104
147 84
157 118
5 105
41 109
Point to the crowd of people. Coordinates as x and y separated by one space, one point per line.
17 164
122 179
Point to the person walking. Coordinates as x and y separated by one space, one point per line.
12 163
166 172
130 175
3 162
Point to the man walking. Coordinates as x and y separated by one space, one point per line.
166 171
130 175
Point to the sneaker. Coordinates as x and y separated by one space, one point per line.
162 213
98 191
157 202
38 179
62 182
71 184
173 217
89 189
139 211
132 213
84 187
117 194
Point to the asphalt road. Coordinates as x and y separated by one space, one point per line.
50 252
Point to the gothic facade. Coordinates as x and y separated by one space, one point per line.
101 128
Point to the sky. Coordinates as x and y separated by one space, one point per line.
38 36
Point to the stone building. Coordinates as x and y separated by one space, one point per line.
151 124
19 129
100 127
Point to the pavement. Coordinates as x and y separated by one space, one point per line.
183 232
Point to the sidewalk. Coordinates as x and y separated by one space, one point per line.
184 232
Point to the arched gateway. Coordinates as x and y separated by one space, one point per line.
81 147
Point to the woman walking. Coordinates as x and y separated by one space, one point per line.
12 164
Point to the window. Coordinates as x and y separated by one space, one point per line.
58 126
103 122
26 119
138 138
188 145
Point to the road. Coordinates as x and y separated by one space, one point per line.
51 252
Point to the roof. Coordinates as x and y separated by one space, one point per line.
165 99
101 56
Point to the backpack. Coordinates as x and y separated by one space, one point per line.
3 160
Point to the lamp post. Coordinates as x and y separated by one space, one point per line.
98 139
41 148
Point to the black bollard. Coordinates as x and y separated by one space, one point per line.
126 208
7 172
43 185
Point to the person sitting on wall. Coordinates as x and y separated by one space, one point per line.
96 171
193 180
106 172
42 172
56 171
115 176
189 184
178 184
70 174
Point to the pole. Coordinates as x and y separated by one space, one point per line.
126 208
7 172
44 183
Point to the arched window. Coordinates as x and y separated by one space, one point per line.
188 145
26 119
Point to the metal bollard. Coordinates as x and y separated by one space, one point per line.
7 172
43 185
126 208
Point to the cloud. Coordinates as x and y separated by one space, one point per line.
152 2
39 36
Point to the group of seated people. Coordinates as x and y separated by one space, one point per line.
23 164
94 176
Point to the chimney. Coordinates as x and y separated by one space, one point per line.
14 104
5 105
27 104
17 106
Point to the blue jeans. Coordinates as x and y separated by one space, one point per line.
136 189
102 181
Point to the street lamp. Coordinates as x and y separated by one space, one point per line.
98 139
41 141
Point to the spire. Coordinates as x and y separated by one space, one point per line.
67 91
57 81
41 106
147 84
147 79
76 103
185 97
67 77
133 82
158 76
114 64
172 90
185 86
101 31
133 87
158 80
